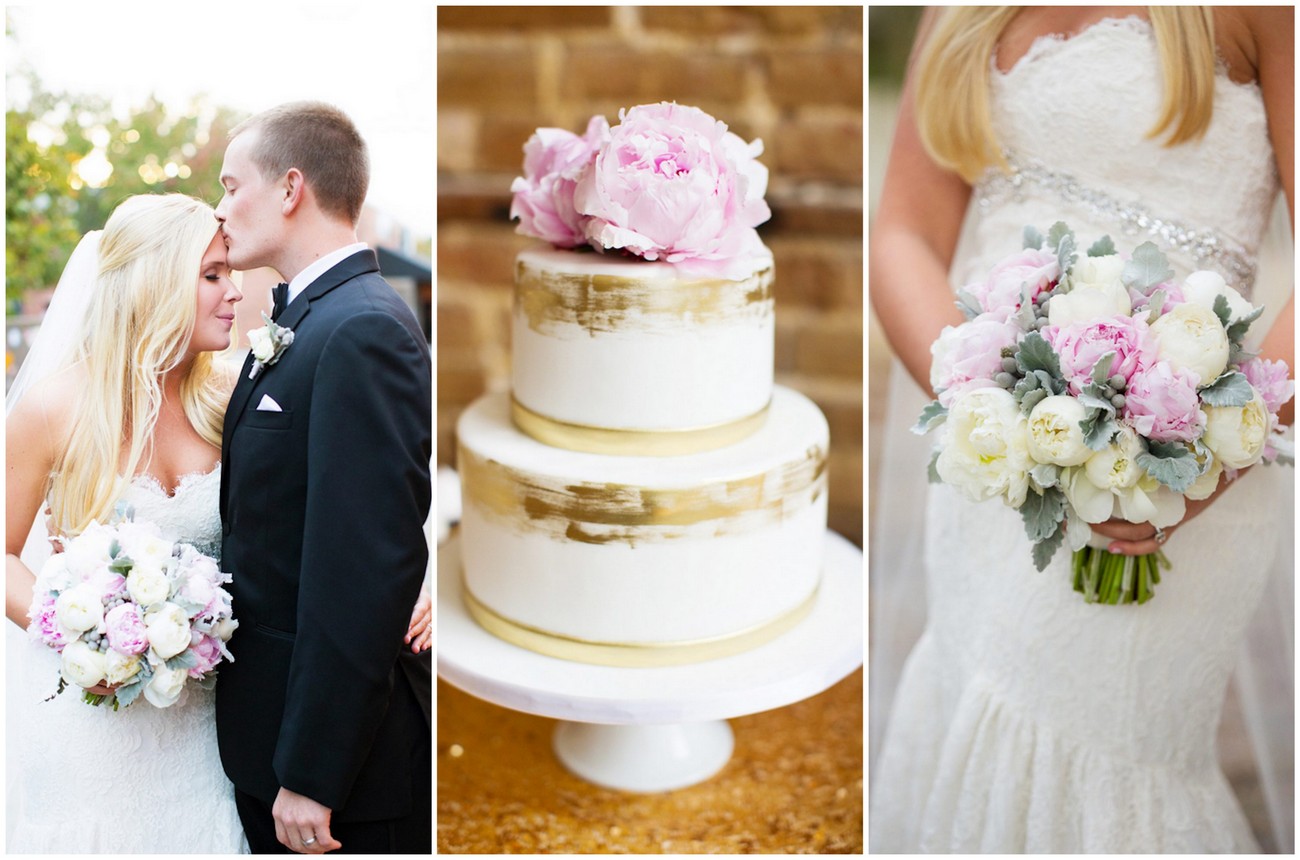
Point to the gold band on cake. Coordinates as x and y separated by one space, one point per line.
637 655
613 303
612 513
641 443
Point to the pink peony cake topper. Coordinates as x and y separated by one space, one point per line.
669 183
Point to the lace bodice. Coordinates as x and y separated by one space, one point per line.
1073 116
191 514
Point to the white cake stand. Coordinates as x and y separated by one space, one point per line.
657 729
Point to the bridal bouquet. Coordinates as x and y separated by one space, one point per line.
123 606
1085 387
669 182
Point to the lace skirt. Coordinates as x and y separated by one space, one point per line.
90 780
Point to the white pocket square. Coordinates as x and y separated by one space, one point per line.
268 405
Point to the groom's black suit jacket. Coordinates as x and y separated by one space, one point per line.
323 506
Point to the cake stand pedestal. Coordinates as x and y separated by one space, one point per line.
655 729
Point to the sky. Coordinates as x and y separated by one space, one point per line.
376 63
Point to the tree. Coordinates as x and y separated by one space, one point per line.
70 161
41 226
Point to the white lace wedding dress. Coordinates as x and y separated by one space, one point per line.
139 780
1027 720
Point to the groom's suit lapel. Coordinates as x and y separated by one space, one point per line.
360 263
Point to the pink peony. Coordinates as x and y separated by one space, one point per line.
1173 296
1271 380
126 630
673 184
1162 404
1081 344
553 160
1000 295
207 651
45 625
968 356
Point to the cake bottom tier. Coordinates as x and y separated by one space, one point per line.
642 560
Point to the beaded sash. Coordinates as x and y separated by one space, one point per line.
1208 249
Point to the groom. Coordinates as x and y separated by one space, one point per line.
323 718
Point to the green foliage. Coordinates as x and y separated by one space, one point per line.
40 212
1146 268
931 416
1171 464
1103 247
1230 389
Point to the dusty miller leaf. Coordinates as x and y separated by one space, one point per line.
1146 268
1103 247
1230 389
931 417
1171 464
1043 513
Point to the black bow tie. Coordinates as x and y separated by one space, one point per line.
279 298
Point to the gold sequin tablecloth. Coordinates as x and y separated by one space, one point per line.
793 785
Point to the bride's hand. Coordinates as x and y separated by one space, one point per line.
419 634
1140 538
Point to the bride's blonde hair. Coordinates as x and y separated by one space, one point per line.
952 89
137 328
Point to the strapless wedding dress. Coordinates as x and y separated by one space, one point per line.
139 780
1027 720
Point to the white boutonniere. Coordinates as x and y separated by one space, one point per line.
268 343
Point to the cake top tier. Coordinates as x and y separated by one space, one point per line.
668 183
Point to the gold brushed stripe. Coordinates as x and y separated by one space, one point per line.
632 654
642 443
611 303
601 513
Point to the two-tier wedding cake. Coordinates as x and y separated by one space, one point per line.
644 495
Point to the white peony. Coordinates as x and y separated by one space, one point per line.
120 668
1190 337
1112 478
147 583
1096 292
985 447
259 341
83 665
88 550
165 687
1204 486
55 574
80 607
1237 434
1202 288
1054 432
169 629
144 543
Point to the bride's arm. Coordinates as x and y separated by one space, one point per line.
30 457
1273 32
1271 49
913 237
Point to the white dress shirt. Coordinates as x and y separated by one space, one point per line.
320 267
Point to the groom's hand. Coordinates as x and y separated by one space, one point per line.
301 824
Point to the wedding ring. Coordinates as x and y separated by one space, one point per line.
1160 536
311 840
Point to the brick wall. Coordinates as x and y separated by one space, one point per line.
789 75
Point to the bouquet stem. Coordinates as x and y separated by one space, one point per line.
1103 577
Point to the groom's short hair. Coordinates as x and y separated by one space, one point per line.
321 141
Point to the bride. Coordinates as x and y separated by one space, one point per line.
127 405
1026 720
